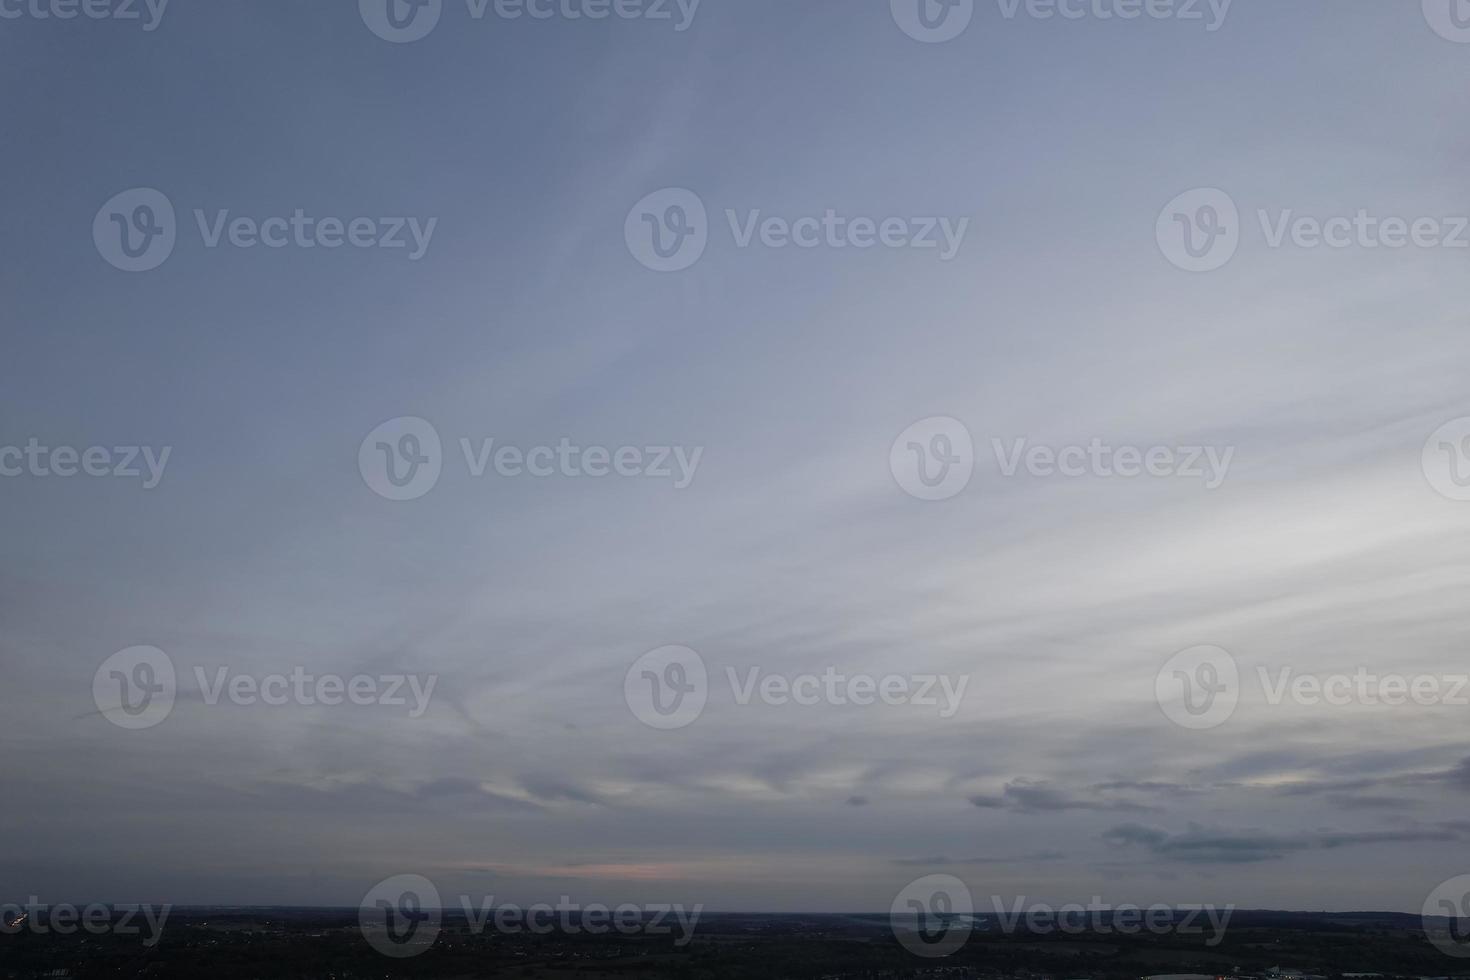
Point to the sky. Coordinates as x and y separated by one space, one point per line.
785 408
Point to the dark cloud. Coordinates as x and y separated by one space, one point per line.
1350 802
1203 846
1031 858
556 790
1034 796
1208 846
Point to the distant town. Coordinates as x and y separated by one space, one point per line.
330 943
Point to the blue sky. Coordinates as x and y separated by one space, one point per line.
528 319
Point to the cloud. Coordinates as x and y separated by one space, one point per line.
1207 846
1035 857
1034 796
